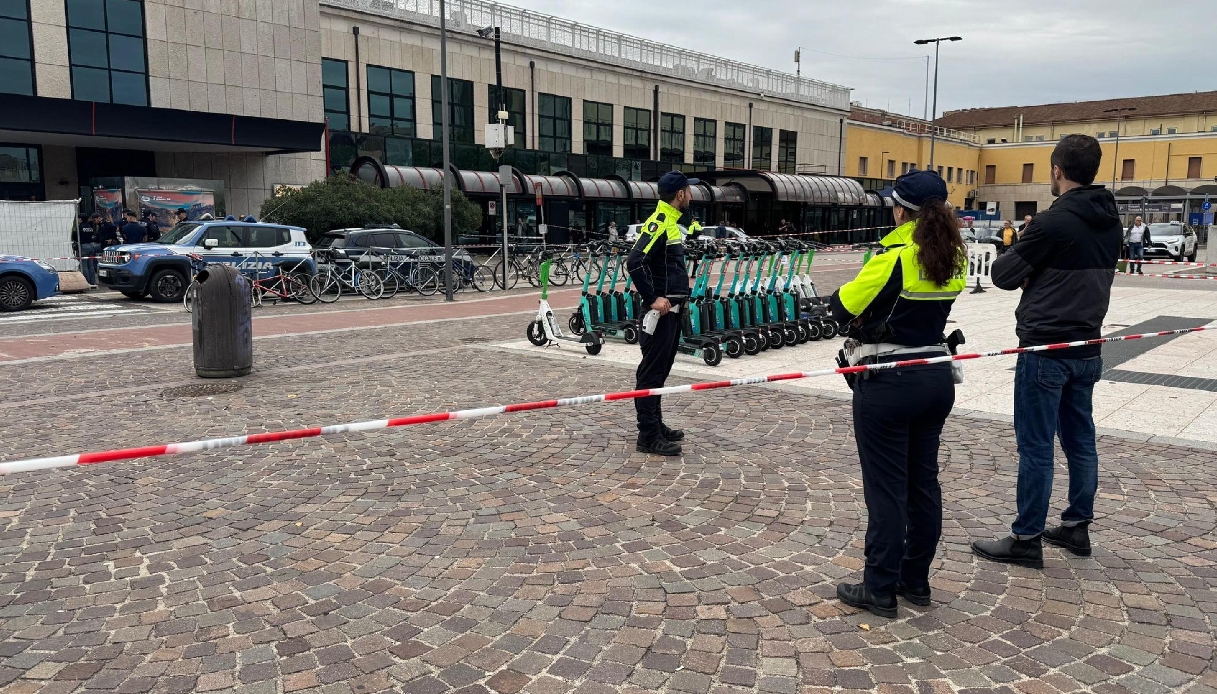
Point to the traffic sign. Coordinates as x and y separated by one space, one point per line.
494 208
537 188
1206 206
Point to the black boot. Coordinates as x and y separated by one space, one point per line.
858 595
658 447
1075 538
673 435
1011 550
917 597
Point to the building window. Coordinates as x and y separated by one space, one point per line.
762 148
1193 167
1172 131
16 56
990 174
1156 131
991 141
1039 138
904 167
107 52
1028 173
863 166
336 94
672 138
19 164
597 128
940 172
460 110
1128 170
391 103
517 116
891 168
553 123
734 135
705 141
1113 133
788 147
950 174
637 134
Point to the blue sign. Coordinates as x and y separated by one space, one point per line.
1197 218
1206 206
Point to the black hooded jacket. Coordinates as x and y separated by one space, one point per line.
1067 258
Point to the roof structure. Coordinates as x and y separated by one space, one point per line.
1146 106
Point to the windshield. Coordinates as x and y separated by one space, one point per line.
1158 230
175 235
331 240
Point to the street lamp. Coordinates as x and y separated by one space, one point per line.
1116 157
501 117
445 117
934 114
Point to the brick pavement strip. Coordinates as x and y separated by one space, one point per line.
538 552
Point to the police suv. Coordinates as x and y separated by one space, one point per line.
162 269
24 281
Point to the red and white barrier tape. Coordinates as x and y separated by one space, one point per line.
274 436
1168 262
1170 277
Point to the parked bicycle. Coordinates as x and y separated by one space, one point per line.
401 273
336 273
285 284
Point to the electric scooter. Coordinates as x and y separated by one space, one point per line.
708 313
543 331
605 312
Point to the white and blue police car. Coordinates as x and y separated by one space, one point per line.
162 269
24 281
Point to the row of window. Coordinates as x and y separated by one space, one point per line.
106 50
951 174
392 111
1101 135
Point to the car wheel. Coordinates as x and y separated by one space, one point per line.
16 293
167 286
1191 258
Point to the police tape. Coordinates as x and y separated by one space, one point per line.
31 464
1168 262
1169 277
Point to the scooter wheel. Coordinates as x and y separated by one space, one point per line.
814 332
575 323
751 345
762 339
775 337
790 336
593 349
536 335
802 331
712 355
734 347
830 329
630 332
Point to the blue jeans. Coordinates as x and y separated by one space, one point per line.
88 261
1136 251
1052 397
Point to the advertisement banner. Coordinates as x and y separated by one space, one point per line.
109 203
196 203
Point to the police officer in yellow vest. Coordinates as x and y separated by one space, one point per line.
897 309
695 228
657 267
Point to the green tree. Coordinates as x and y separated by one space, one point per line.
342 201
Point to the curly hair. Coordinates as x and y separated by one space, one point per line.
941 250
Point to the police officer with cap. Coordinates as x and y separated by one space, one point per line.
897 309
657 267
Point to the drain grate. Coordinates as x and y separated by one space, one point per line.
198 390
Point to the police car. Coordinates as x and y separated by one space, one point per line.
162 269
24 281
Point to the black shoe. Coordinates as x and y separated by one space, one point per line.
857 595
658 447
673 435
917 597
1011 550
1076 539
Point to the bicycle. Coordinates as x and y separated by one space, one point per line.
284 285
337 272
404 273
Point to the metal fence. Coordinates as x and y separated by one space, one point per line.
563 36
39 230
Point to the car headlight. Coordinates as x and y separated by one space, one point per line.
123 257
48 267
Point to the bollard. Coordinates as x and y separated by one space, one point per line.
223 324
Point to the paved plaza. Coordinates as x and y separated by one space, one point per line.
537 552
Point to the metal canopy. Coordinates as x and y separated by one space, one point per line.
641 190
552 186
603 189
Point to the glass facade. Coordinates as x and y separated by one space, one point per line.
762 148
517 115
16 54
391 102
788 147
636 139
107 52
733 145
598 128
553 123
19 164
672 138
705 141
460 109
336 93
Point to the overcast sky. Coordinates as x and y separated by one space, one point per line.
1014 52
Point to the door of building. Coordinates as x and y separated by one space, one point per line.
1022 209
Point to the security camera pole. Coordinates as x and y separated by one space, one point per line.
497 141
444 117
934 113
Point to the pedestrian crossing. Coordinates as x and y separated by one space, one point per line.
70 307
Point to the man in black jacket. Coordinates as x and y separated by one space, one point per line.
1065 264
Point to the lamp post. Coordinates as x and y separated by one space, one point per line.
934 113
1116 157
500 116
444 118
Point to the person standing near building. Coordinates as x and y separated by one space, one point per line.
152 227
1065 299
657 267
612 231
1137 238
107 233
1008 236
895 309
87 247
132 231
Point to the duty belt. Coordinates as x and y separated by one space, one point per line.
856 352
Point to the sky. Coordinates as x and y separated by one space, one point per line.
1014 52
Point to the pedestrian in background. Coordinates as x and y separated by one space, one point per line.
152 227
897 308
1065 299
1137 238
107 233
612 232
1007 236
132 231
87 247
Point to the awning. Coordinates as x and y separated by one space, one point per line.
552 186
641 190
729 195
480 182
701 193
369 170
874 200
602 189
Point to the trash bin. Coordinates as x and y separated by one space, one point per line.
223 327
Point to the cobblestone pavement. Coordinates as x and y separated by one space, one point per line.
537 552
